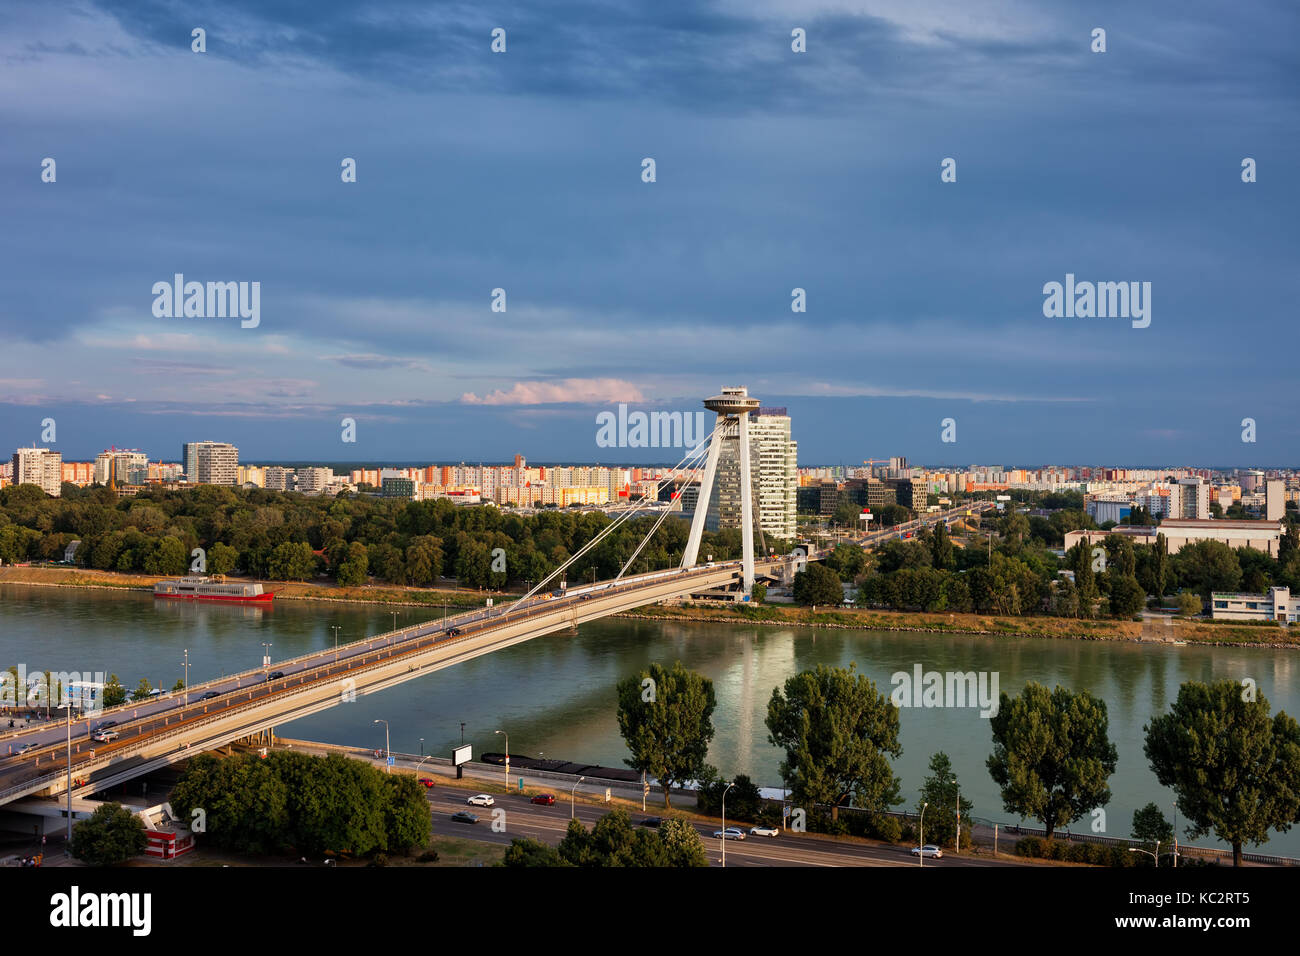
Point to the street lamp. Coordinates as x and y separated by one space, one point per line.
1175 834
573 798
724 823
266 656
187 676
1155 856
335 628
958 786
921 851
67 703
388 753
507 736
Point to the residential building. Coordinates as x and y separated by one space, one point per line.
40 467
211 463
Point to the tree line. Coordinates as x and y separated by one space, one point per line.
1231 763
1017 574
286 536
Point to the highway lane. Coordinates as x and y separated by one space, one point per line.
524 819
136 721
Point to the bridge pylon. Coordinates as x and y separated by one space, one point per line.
733 407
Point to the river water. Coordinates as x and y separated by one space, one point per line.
555 695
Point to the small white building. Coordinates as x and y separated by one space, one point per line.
1276 605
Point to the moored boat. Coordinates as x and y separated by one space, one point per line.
214 588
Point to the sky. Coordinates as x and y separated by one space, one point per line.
774 171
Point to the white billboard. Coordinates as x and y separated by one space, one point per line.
461 754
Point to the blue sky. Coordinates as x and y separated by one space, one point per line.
775 170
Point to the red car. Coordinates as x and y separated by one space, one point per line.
546 799
428 782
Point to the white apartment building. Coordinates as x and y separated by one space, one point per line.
773 469
211 463
40 467
314 481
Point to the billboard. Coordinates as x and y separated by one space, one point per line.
461 754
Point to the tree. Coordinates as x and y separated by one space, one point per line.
114 692
1234 769
1207 566
940 790
1150 826
835 729
142 690
1051 754
529 852
847 560
406 813
291 561
666 719
222 559
759 593
817 584
1126 596
112 835
351 571
743 802
1189 604
613 841
941 549
682 843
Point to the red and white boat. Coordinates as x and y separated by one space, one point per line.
214 588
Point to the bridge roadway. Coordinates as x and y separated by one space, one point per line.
976 508
158 732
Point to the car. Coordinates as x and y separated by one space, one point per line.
731 833
928 850
275 675
651 822
428 782
764 831
23 749
453 632
545 799
106 724
104 736
463 816
481 800
210 694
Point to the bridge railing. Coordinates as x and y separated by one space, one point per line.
285 693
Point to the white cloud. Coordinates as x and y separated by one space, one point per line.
576 390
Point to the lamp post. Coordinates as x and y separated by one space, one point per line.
1155 856
921 850
507 736
958 785
335 628
388 753
724 823
266 657
462 732
573 798
421 746
187 676
67 845
1175 834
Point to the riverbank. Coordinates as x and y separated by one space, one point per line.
284 590
777 615
1192 632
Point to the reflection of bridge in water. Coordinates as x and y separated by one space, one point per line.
79 758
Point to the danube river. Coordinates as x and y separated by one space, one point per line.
555 695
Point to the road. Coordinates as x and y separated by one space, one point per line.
548 824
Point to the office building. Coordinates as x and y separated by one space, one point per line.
774 476
1276 605
121 466
211 463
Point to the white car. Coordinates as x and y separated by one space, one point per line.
104 736
481 800
928 850
763 831
731 833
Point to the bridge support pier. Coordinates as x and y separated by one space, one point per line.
733 407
